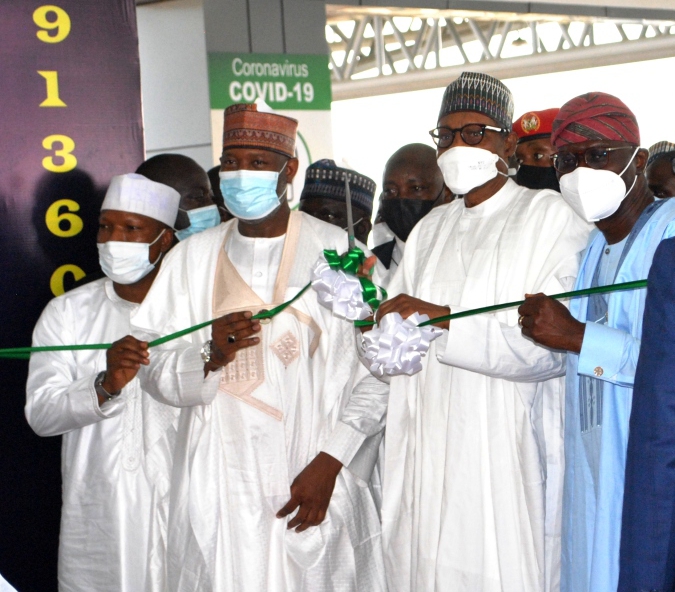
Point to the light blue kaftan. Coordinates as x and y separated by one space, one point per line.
596 433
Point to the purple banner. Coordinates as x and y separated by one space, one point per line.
70 119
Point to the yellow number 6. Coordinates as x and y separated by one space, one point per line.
56 281
61 23
67 146
54 218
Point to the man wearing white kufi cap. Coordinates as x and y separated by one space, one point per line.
117 441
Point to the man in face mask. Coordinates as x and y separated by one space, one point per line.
281 423
214 177
197 210
412 185
534 150
601 169
324 197
115 438
466 505
661 169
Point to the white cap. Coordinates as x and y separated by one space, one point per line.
139 195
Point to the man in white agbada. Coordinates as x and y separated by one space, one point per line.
280 424
116 439
473 456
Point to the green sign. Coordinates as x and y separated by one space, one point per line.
284 81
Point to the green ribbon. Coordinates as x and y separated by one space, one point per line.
23 353
350 262
635 285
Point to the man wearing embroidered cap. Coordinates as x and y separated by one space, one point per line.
116 439
534 150
280 423
324 196
601 168
473 448
661 169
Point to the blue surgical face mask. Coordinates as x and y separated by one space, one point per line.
200 219
251 195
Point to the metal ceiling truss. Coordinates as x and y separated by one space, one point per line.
383 51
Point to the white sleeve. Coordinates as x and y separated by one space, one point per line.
483 344
175 376
60 397
363 417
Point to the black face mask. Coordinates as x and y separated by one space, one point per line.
537 177
401 215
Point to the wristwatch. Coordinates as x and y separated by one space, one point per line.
206 351
100 391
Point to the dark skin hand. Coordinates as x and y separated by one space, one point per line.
406 305
244 329
547 321
124 359
311 492
550 324
234 159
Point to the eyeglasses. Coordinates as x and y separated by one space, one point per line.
471 134
596 157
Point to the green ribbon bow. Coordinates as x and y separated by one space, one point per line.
349 263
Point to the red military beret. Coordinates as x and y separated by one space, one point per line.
535 124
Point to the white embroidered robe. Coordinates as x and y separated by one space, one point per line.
471 438
247 431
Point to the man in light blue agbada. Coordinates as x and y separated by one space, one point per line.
601 169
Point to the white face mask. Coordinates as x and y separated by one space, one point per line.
466 167
126 262
595 194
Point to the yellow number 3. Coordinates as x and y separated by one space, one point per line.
67 146
61 23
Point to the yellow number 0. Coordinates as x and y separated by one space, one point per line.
54 218
56 281
67 146
61 23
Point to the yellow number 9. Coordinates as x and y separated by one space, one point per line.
67 146
61 23
56 281
54 218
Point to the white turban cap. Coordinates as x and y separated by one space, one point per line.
139 195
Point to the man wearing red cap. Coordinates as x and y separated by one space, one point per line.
280 423
534 150
601 168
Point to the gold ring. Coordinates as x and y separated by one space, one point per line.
520 321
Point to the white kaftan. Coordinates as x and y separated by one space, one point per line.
247 431
471 438
115 458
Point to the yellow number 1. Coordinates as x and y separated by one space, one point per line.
61 23
52 79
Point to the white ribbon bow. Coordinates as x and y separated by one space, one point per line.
340 292
397 346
